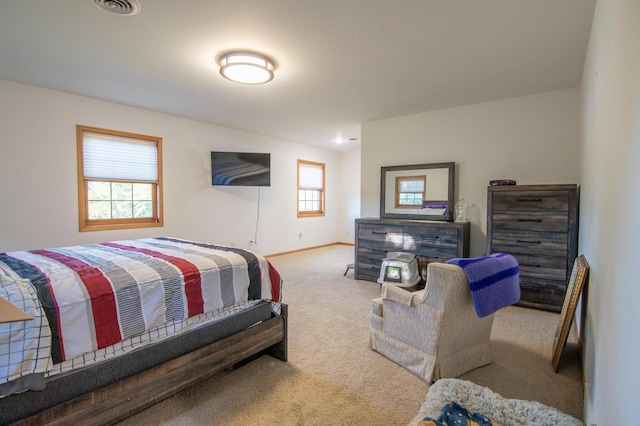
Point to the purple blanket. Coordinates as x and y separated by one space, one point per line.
494 281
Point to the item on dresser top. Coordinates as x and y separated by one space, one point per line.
462 210
417 191
499 182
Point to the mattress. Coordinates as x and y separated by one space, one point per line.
98 301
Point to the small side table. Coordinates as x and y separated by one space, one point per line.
349 266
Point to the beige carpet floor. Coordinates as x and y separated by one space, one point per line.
332 378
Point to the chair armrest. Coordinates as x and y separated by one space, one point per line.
408 319
400 295
377 306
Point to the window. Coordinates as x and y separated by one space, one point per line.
410 191
310 189
119 179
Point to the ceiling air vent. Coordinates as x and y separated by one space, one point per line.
119 7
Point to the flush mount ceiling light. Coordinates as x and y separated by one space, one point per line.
339 140
246 67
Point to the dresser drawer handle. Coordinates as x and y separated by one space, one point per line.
528 242
525 199
378 233
529 220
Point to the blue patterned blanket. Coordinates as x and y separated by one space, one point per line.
494 281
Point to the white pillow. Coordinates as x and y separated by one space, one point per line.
24 345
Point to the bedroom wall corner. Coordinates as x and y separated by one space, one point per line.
609 226
532 139
349 203
39 177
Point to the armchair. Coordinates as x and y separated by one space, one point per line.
435 332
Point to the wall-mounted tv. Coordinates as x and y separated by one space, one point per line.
240 168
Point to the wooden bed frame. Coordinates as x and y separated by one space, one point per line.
115 402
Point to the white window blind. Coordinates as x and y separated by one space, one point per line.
311 176
120 158
411 185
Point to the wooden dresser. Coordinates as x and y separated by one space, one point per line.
538 224
437 241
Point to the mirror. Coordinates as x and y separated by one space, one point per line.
420 191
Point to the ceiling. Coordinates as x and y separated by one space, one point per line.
339 62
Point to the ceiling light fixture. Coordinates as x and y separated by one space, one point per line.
246 67
341 140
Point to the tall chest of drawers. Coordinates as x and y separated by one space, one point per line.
538 224
434 240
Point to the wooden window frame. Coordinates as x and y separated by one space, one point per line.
86 224
315 213
400 179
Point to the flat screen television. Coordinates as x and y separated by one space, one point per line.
240 168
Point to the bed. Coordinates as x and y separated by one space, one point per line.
121 325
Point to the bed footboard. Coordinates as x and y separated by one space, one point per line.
126 397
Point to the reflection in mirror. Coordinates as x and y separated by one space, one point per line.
423 191
394 239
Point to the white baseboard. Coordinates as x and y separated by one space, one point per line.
590 418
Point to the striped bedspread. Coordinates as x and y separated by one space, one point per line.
99 294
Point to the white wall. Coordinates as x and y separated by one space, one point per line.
38 183
531 139
349 202
609 204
